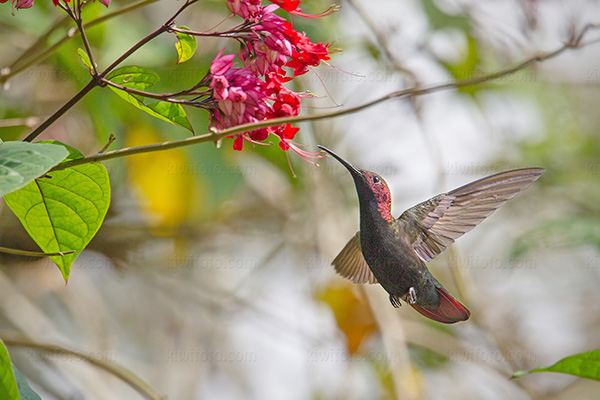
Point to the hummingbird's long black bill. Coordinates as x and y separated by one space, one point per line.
353 170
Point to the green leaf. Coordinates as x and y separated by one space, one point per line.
173 113
63 211
8 384
169 112
133 77
22 162
583 365
141 79
85 59
26 392
186 45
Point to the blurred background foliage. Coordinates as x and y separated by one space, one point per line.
210 276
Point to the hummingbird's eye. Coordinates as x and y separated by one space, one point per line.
376 179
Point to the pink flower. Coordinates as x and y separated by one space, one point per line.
221 64
240 98
244 8
20 3
264 58
256 91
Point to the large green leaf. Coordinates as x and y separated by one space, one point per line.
63 210
26 392
8 384
186 45
583 365
22 162
141 79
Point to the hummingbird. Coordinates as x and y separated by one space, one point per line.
393 252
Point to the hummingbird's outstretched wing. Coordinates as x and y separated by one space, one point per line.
351 264
442 219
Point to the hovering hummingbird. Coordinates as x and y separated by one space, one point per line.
393 252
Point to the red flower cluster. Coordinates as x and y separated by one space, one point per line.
29 3
256 91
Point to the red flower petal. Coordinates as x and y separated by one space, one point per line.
238 143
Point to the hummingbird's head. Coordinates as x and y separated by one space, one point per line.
369 185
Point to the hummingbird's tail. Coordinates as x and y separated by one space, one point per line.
448 311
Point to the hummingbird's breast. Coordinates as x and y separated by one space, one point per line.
390 256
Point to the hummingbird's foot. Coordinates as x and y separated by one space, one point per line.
412 295
395 300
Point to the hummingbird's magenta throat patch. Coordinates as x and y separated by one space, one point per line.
383 197
386 212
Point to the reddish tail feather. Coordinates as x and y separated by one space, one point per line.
448 312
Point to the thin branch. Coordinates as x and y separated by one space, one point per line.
28 253
183 7
244 28
111 139
162 29
164 96
143 93
86 42
125 375
576 42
